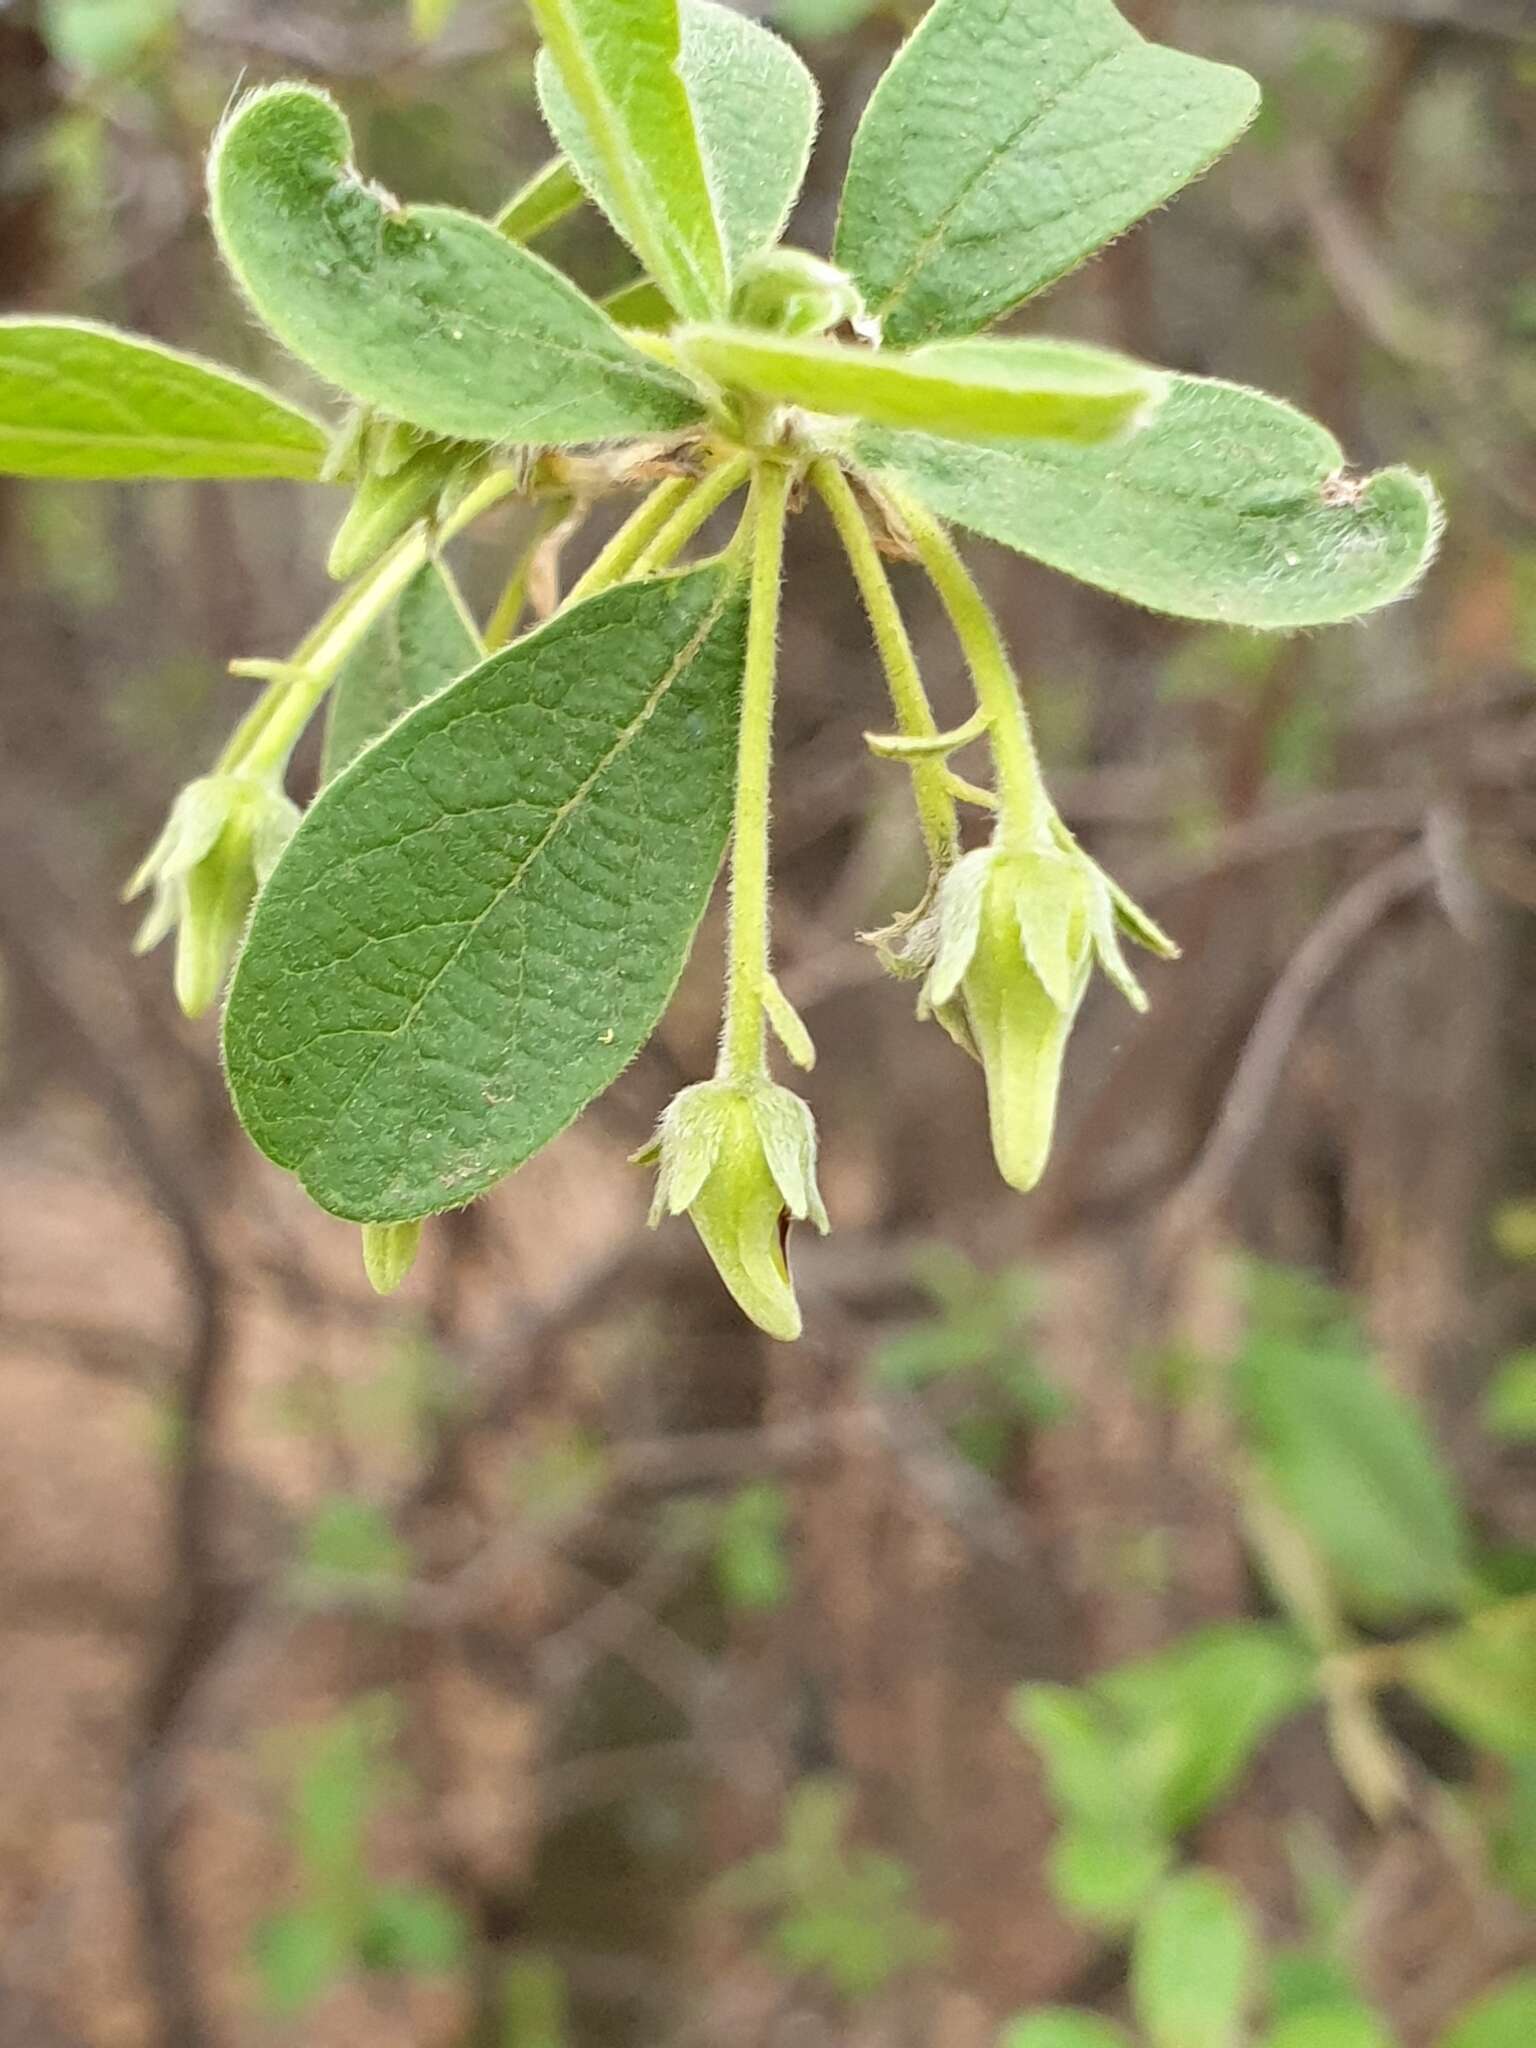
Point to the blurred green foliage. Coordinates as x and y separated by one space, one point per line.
828 1908
345 1920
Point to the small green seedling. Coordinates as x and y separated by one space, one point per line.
479 921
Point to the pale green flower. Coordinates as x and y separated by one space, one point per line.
220 843
1013 941
740 1158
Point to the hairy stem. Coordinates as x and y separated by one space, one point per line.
707 495
618 558
549 195
743 1043
266 736
1025 808
909 700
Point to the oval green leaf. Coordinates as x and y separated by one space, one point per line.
1053 390
1481 1677
1352 1462
621 69
82 401
1193 1964
1008 141
415 650
756 107
1203 1706
479 922
1229 506
424 312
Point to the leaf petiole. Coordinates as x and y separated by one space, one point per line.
548 197
909 699
617 560
266 736
748 971
1025 809
706 496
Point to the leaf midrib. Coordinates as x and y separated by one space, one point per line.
52 373
557 822
1118 480
619 360
983 171
130 439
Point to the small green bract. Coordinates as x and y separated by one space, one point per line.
481 918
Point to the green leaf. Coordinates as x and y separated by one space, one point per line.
1307 1979
1509 1411
413 1932
1079 1745
751 1567
1481 1677
422 311
755 105
1193 1963
1214 1697
621 67
1152 1745
1506 2018
1506 1571
979 389
1229 506
553 192
1103 1872
1352 1463
418 646
1009 140
479 922
350 1538
1060 2027
337 1791
82 401
1330 2026
298 1955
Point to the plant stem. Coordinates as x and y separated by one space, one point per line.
743 1042
549 195
267 735
909 700
708 494
640 304
1025 809
311 678
619 557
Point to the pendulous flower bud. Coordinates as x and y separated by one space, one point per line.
389 1252
1015 937
789 291
220 843
740 1157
